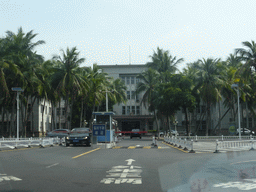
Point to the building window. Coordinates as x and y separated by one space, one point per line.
133 110
45 109
150 125
29 107
123 110
133 94
198 109
132 80
137 80
137 110
50 110
128 110
42 108
128 95
127 80
250 122
58 111
63 111
137 98
203 108
123 79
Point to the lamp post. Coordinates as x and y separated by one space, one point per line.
18 90
233 86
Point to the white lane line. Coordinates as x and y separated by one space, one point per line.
52 165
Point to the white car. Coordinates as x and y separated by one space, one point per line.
246 131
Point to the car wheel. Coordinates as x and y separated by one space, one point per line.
140 137
67 145
131 137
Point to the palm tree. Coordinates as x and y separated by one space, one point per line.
68 75
162 61
208 83
147 86
16 48
98 84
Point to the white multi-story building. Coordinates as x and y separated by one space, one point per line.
132 114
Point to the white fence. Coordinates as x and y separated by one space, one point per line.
180 143
241 144
222 138
14 143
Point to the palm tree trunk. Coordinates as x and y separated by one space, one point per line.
12 115
81 113
186 118
91 120
247 119
2 116
43 118
8 124
66 110
71 109
157 126
219 120
208 118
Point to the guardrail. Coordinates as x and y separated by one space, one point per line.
14 143
245 144
182 144
197 138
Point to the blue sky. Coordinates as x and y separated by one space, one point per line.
103 30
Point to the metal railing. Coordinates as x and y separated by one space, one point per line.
241 144
14 143
182 144
222 137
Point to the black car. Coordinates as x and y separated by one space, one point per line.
135 133
79 136
58 133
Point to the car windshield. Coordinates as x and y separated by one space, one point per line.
80 130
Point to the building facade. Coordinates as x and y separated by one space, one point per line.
132 114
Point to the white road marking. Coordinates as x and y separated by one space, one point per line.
242 185
8 178
129 161
52 165
123 174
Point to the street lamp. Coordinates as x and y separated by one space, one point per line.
236 87
18 90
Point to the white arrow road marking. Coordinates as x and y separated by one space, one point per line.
129 161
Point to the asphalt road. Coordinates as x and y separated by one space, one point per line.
125 169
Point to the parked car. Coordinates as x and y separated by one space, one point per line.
246 132
58 133
135 133
161 134
79 136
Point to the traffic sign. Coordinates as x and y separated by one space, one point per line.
99 130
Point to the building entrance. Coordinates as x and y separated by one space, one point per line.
129 125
